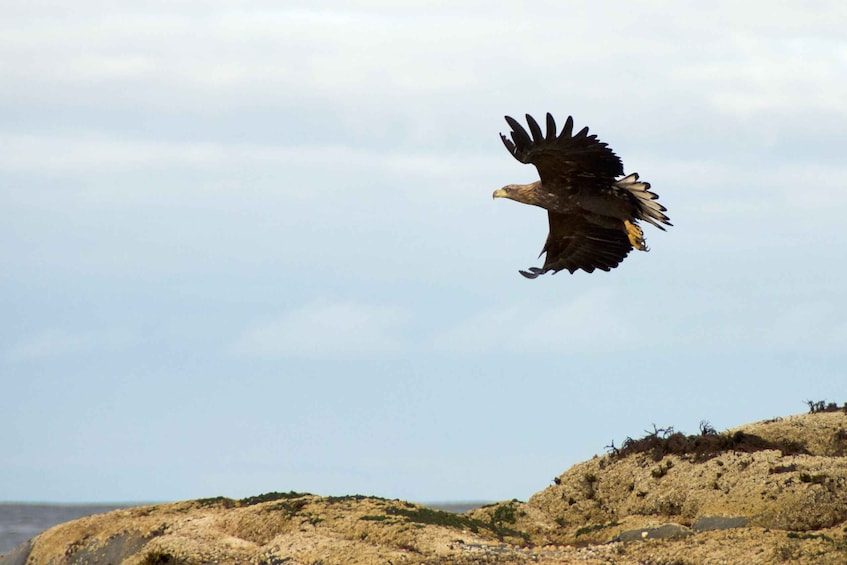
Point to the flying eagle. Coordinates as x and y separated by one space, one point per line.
593 214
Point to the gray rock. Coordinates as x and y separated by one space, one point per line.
113 552
665 531
18 556
706 523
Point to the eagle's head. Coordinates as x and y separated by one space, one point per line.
504 192
523 193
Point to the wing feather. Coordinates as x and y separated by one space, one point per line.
561 158
519 135
551 127
575 243
537 136
567 130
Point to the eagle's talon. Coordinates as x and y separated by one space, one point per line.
636 236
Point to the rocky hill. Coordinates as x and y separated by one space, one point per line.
768 492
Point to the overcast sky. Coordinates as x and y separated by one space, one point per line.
249 248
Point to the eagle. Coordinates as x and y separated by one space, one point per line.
593 210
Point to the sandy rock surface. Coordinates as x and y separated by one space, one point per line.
766 505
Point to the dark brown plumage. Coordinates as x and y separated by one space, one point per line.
593 214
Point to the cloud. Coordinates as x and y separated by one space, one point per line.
326 329
233 54
227 56
593 321
59 343
86 153
610 320
779 74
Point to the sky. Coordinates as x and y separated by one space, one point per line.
251 246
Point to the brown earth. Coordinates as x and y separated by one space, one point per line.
767 492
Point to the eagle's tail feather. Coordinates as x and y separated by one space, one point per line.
651 211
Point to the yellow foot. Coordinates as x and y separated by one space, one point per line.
636 236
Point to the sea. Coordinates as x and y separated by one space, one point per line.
21 522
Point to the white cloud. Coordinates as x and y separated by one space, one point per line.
776 74
99 153
326 329
594 321
231 56
742 57
608 320
58 342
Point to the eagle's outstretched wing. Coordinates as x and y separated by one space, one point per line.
576 243
562 157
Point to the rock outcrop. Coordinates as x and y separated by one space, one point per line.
768 492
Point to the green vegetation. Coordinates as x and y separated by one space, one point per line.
795 535
375 518
270 496
250 500
502 516
818 479
288 507
595 528
505 514
162 558
216 501
422 515
348 498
